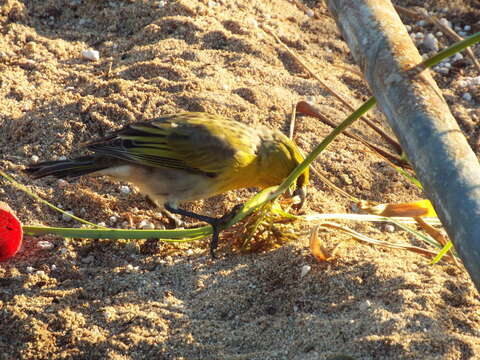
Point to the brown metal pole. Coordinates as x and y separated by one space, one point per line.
419 116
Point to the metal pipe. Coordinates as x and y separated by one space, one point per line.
419 116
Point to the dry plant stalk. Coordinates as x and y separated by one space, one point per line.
445 29
374 127
307 109
365 239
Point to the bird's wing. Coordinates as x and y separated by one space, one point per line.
187 141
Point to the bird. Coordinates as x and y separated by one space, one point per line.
184 157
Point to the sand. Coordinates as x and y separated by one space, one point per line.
91 299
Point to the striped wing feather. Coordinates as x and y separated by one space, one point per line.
194 142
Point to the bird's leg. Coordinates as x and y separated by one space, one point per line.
220 223
215 223
176 220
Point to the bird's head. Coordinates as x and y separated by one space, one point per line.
283 156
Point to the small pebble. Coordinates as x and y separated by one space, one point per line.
102 224
463 83
91 54
45 245
419 36
467 96
438 34
462 33
29 269
53 267
431 42
421 23
443 70
445 22
61 183
125 190
162 4
67 216
310 13
305 270
408 27
457 28
40 273
467 28
389 228
456 57
189 252
150 226
62 158
34 158
475 81
113 219
63 251
146 225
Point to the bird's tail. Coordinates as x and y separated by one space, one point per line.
66 168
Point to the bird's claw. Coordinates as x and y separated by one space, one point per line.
218 224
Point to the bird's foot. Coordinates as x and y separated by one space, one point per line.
218 224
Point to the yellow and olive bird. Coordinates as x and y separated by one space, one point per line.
185 157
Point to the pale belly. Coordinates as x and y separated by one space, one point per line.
164 185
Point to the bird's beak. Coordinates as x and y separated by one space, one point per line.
301 192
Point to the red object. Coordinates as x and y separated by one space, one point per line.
11 233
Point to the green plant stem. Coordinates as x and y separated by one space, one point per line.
164 235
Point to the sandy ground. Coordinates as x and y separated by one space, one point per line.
89 299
